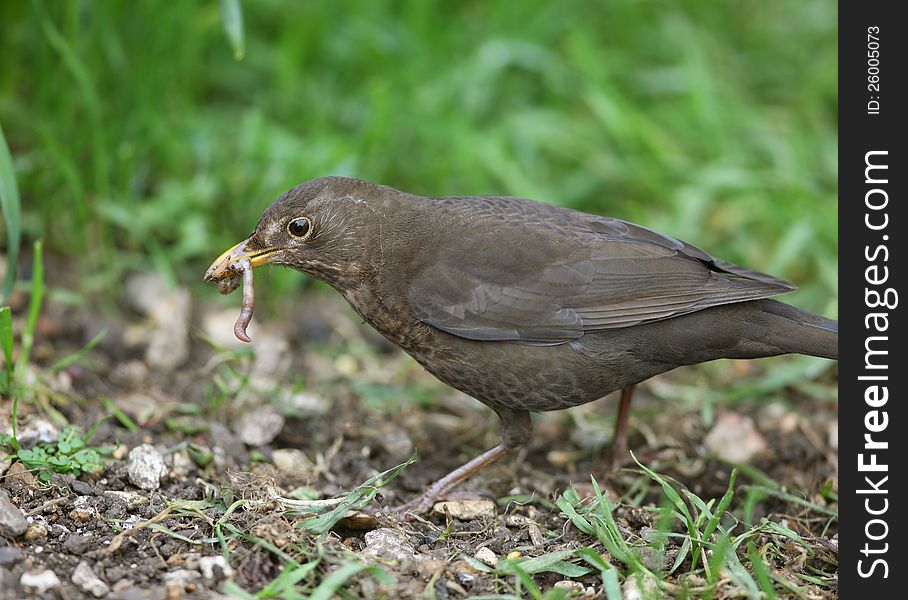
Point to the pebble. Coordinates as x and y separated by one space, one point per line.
389 544
212 568
83 511
12 521
77 544
293 462
145 467
40 582
86 580
20 472
734 438
36 532
639 587
260 426
466 510
486 555
131 499
10 555
81 488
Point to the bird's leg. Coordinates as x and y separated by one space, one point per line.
516 428
619 437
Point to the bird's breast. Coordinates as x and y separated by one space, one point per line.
390 317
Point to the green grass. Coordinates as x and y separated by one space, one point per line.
141 142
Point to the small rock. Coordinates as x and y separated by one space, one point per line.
83 511
131 499
293 462
640 587
36 532
358 521
734 438
145 467
260 426
218 326
486 555
86 580
212 568
12 521
131 373
81 488
536 535
36 430
305 404
180 578
168 346
466 510
272 353
20 472
389 544
77 544
39 582
10 555
183 465
569 586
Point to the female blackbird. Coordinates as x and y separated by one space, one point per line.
522 305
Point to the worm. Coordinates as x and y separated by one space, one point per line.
242 322
228 284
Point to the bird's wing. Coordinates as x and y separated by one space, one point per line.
607 274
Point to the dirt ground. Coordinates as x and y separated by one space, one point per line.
318 405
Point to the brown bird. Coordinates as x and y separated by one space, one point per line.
522 305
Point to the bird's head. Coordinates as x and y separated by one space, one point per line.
322 227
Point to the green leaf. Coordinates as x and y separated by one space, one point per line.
358 498
232 17
12 214
34 305
332 583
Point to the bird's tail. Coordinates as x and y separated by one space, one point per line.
801 332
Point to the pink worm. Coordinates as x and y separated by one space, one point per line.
242 322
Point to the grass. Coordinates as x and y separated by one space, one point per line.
165 148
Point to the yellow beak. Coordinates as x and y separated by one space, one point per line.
223 266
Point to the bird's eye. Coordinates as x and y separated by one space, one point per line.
298 227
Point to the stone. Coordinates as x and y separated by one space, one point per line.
39 582
734 438
12 521
259 426
387 544
486 555
81 488
145 467
466 510
86 580
293 462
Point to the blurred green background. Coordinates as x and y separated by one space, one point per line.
140 140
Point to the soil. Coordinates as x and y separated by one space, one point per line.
227 422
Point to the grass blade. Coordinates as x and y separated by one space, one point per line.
6 341
34 306
232 17
12 214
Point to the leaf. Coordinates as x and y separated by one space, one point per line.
232 18
355 500
332 583
6 342
12 214
34 305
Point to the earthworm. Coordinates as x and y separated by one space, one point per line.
242 322
228 284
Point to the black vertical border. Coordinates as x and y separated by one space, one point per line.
859 133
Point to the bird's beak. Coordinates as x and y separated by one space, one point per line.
225 265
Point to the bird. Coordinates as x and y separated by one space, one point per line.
523 305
